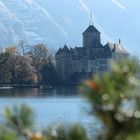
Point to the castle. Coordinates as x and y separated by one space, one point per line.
81 62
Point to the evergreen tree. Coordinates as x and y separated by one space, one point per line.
48 74
5 68
111 95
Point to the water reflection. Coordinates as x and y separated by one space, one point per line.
39 92
51 106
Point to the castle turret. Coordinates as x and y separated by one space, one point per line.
90 36
59 51
63 59
65 49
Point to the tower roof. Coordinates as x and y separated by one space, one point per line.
59 51
65 48
90 29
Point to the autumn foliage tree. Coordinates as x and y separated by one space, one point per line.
22 70
24 65
41 58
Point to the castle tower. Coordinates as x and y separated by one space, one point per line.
63 59
90 36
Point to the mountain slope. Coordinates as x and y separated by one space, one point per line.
31 23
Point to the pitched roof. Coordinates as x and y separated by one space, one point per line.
59 51
117 48
65 49
91 28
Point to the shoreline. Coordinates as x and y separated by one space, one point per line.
9 86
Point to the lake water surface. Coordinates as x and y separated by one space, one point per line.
52 106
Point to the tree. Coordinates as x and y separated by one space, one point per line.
48 74
22 70
22 48
40 56
5 68
11 50
110 97
19 126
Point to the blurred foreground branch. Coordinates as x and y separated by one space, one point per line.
115 99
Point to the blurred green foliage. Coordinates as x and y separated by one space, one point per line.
115 99
18 125
72 132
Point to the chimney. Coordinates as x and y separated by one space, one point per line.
119 41
114 47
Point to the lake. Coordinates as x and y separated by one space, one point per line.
52 106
